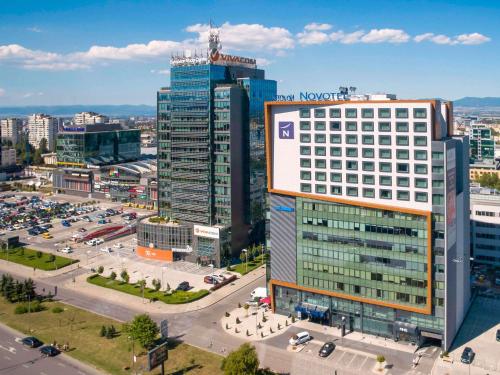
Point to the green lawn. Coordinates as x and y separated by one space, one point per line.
80 329
243 269
176 297
30 259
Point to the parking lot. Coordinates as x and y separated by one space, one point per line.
119 257
344 360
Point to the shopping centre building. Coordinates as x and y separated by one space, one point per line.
369 214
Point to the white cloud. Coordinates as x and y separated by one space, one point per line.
34 29
248 37
465 39
317 26
2 92
349 38
472 39
154 48
263 62
312 37
55 66
385 36
160 71
31 94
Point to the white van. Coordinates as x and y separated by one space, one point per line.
260 292
299 338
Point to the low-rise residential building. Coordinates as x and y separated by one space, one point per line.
8 157
85 118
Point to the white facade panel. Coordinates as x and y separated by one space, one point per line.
286 153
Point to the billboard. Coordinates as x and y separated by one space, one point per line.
206 232
451 197
157 356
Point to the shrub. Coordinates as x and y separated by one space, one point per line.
52 257
100 270
57 310
113 275
293 319
20 309
36 307
39 254
103 331
380 358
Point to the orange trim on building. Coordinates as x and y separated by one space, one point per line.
154 253
349 202
269 157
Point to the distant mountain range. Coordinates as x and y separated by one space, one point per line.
149 110
70 110
471 101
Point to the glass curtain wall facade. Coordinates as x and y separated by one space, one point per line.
190 141
97 148
163 128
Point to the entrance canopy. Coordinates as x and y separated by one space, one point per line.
314 311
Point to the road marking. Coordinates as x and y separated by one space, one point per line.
7 358
61 364
25 365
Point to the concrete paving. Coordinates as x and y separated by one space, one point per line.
477 332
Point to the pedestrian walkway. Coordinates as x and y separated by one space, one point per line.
357 336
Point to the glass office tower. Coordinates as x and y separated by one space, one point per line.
204 149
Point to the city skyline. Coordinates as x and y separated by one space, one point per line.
49 56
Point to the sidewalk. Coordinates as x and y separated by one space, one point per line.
356 336
136 303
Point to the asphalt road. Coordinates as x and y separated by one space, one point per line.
15 359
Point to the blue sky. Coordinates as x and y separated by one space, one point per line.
117 52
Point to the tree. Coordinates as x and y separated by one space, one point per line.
142 329
43 146
244 360
39 254
112 276
100 270
124 275
52 258
157 284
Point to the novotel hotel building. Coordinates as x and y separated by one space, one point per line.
369 213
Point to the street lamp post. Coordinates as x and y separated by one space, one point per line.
246 259
262 252
212 267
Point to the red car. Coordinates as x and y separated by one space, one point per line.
210 280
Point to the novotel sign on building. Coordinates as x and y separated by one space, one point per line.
312 96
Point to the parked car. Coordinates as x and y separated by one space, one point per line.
118 245
219 278
299 338
87 219
184 286
99 241
101 221
32 342
67 250
326 349
498 334
106 250
49 351
210 280
467 356
65 223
